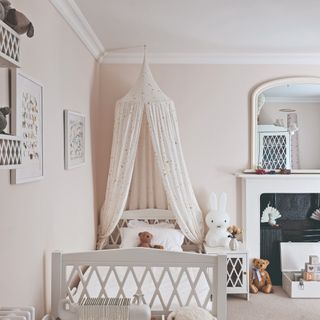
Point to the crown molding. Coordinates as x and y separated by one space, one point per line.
214 58
77 21
74 17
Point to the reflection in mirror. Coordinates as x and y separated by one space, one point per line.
288 127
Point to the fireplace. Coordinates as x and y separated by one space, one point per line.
294 225
253 186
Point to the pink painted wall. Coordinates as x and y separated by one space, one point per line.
57 213
213 106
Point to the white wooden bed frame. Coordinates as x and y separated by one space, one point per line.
66 267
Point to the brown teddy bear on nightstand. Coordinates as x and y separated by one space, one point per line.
259 277
145 241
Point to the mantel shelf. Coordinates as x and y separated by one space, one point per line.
248 175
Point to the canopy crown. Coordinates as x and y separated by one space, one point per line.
145 90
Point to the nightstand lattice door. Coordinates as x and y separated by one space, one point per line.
236 273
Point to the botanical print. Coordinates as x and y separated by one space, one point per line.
76 139
30 124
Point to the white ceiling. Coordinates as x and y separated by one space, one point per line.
207 26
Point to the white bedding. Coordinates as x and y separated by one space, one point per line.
165 284
171 239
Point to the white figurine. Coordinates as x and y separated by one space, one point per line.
217 221
316 215
270 215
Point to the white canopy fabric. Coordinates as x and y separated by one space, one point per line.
147 168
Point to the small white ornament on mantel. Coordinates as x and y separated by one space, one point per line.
217 221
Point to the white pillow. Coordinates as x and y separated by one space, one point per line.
139 223
170 239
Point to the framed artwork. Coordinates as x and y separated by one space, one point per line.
74 139
27 123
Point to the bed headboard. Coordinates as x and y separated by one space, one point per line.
151 216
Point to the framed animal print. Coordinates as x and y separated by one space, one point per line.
27 124
74 139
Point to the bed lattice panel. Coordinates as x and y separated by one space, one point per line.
145 279
168 279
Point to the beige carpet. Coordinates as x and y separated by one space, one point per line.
276 306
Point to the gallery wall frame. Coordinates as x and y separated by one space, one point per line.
27 123
74 139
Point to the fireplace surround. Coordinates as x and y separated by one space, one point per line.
253 186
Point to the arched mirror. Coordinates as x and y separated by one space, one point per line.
286 125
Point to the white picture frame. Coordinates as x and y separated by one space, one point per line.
27 123
74 139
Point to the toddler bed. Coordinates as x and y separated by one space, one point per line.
168 279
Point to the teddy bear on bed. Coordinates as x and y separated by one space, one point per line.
145 241
259 278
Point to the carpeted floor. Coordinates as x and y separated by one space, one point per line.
275 306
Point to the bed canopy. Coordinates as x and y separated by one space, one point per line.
147 167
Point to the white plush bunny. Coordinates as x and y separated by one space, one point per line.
191 313
68 310
217 221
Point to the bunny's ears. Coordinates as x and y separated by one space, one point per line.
213 202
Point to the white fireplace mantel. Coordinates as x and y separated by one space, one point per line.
253 186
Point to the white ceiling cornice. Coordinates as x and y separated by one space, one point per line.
74 17
214 58
77 21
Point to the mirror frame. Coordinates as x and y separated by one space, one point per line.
254 100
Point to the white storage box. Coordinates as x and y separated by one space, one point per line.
294 255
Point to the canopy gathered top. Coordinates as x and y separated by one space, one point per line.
147 167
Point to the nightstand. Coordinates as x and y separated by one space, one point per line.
237 268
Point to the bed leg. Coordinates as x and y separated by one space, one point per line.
221 286
56 283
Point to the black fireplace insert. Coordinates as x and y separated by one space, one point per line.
294 225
